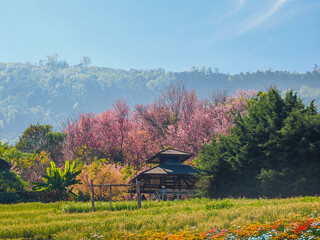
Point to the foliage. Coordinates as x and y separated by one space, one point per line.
30 166
85 61
34 150
37 138
33 138
45 221
219 205
272 151
178 119
102 173
11 184
58 181
113 134
4 165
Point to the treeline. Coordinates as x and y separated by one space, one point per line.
111 146
272 151
251 145
53 91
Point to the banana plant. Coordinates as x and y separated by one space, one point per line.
57 181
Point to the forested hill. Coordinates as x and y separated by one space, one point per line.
54 92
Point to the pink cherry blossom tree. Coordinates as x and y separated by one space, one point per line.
178 119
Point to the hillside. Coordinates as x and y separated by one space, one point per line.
53 92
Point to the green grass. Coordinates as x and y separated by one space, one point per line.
73 220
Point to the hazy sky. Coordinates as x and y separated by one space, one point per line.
233 35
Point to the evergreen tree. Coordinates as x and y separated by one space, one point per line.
272 151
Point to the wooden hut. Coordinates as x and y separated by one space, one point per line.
170 172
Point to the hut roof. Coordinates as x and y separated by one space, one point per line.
179 155
170 169
4 164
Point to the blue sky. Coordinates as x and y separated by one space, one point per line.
233 35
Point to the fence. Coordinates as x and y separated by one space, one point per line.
138 191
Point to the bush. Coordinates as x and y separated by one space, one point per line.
102 173
219 205
8 197
82 197
11 186
310 199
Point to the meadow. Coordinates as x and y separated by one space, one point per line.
73 220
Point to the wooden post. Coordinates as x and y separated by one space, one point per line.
92 196
110 199
100 197
149 188
138 193
179 189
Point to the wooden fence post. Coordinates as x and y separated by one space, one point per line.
92 196
100 196
110 199
138 193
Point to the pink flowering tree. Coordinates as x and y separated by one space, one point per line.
82 135
206 120
112 130
179 119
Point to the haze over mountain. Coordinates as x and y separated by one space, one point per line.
233 35
54 92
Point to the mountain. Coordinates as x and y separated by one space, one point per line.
54 92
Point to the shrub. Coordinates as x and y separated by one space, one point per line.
11 186
102 173
219 205
8 197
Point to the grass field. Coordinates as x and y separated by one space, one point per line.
68 220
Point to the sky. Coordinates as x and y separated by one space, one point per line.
232 35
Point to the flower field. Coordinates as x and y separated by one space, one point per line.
300 228
292 218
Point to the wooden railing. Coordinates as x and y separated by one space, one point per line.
137 185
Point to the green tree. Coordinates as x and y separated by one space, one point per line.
85 61
37 138
29 165
11 185
58 182
272 151
54 62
